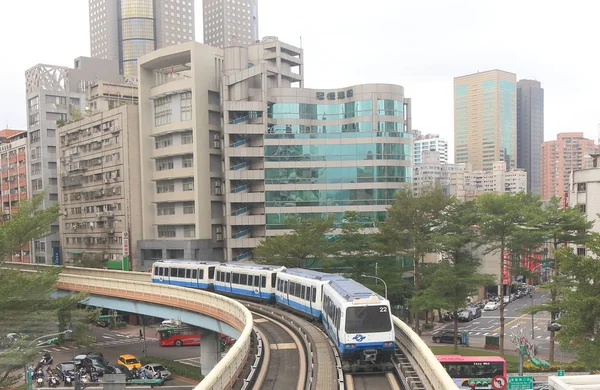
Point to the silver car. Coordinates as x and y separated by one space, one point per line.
155 369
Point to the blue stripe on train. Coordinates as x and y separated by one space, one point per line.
244 292
182 283
300 307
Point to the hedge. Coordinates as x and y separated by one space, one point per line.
569 367
176 368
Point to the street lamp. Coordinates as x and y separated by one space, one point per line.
377 278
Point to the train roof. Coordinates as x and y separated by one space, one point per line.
253 266
186 262
312 274
351 290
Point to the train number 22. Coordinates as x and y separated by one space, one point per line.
383 309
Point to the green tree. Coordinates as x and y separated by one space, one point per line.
561 225
28 223
303 248
28 308
580 302
502 220
409 228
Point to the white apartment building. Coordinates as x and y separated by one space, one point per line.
99 182
431 172
584 191
467 184
429 143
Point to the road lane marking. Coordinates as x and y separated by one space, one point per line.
510 322
107 337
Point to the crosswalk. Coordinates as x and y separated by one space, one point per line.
103 340
484 333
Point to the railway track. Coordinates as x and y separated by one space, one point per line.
284 356
373 381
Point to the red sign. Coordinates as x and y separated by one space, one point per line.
499 383
506 268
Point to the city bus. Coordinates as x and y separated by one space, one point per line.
178 336
473 372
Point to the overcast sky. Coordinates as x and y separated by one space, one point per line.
420 45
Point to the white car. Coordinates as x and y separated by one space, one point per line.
491 305
154 370
506 299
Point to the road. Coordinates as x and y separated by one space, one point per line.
489 324
112 344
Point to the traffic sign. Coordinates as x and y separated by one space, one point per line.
498 383
520 383
561 373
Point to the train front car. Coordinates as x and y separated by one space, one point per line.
360 323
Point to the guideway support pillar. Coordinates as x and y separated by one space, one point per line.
210 350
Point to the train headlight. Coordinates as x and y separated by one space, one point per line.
350 346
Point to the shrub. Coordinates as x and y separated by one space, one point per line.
176 368
569 367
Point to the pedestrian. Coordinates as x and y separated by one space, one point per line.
141 335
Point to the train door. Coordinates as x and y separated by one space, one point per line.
228 286
309 299
195 283
211 274
286 294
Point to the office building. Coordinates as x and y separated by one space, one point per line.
230 23
485 119
214 191
55 95
467 184
99 186
584 187
559 158
431 173
124 30
13 175
530 132
429 142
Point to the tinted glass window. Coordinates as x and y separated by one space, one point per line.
243 279
273 279
250 279
174 272
195 274
211 272
263 281
188 273
285 286
303 294
155 270
236 278
227 277
219 275
181 273
201 274
160 271
314 294
368 319
474 369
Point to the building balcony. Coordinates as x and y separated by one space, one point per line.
245 151
246 197
173 150
245 128
245 174
170 86
251 242
246 220
179 219
180 196
173 173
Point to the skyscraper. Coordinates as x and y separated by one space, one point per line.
230 23
128 29
485 119
530 131
559 159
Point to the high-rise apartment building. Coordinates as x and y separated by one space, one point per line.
559 159
230 23
99 187
429 143
54 95
584 188
530 132
485 119
124 30
467 184
13 176
215 183
431 173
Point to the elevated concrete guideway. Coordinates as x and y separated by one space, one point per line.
115 286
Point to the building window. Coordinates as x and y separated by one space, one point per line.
186 106
580 251
580 187
36 168
189 208
36 184
162 111
582 208
189 230
163 142
34 136
34 120
187 161
166 231
187 138
165 186
34 103
188 184
165 209
164 164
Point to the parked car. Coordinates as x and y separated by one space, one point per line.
155 368
129 361
465 315
121 369
80 356
445 337
491 305
475 311
65 369
98 364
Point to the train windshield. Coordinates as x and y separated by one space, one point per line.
363 319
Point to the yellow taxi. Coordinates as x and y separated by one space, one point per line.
129 361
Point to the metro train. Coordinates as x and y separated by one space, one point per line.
357 320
